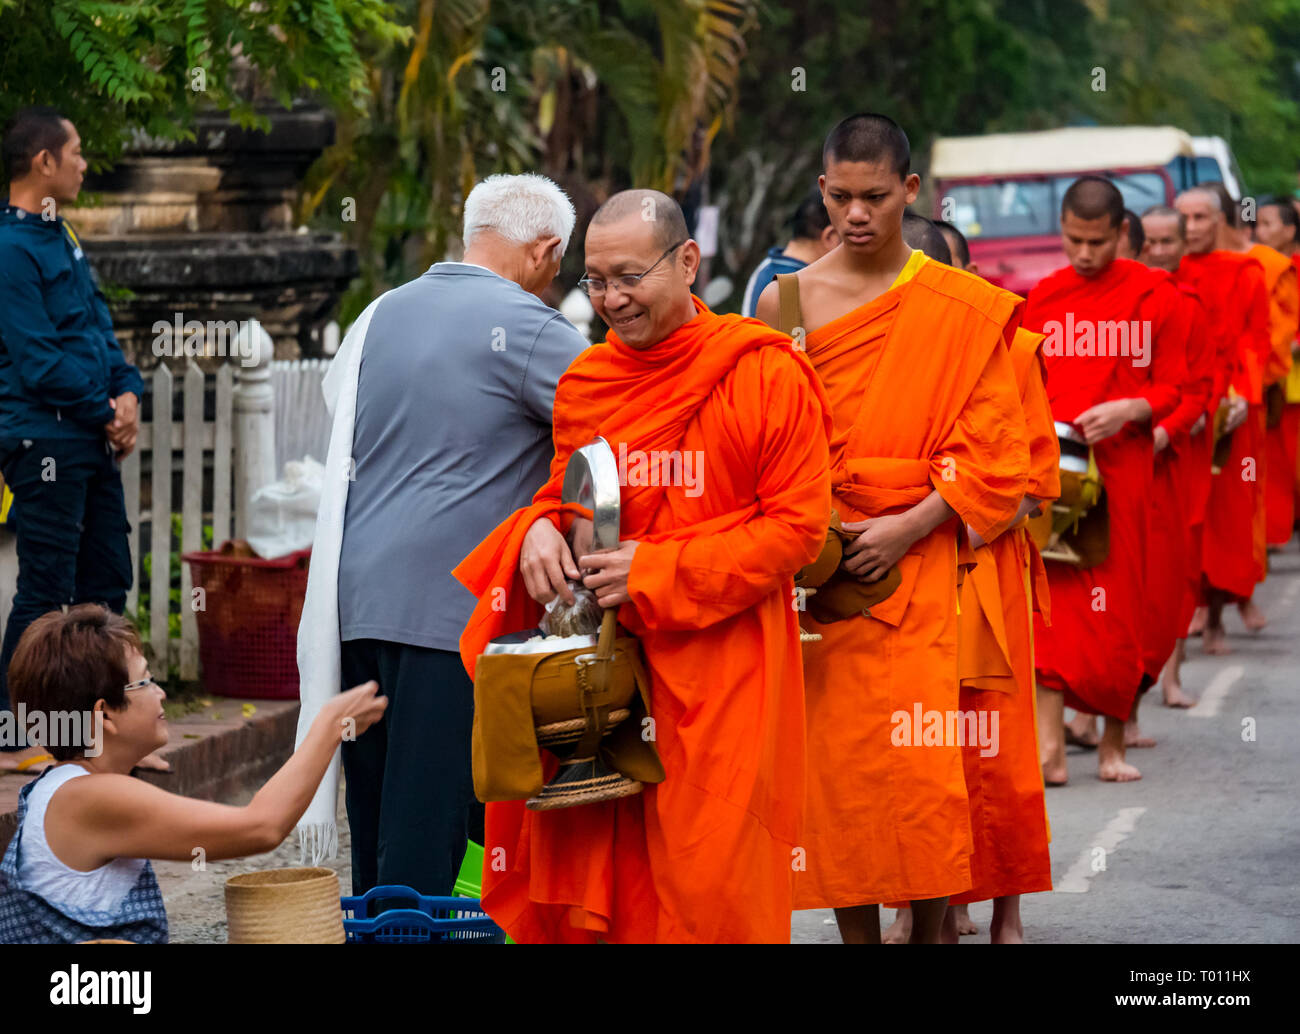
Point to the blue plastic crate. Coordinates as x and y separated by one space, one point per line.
429 920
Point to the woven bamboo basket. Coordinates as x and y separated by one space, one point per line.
284 906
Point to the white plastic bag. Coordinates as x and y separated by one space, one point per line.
282 515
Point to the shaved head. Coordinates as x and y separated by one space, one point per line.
650 206
1165 212
1202 218
1226 202
1136 236
1091 197
875 139
1276 224
957 243
1166 238
923 235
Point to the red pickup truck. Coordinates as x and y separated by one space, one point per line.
1003 190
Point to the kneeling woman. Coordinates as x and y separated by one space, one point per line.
78 867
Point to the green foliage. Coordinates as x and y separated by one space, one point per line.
1213 67
598 99
130 65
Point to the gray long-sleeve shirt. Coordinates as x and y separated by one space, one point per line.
452 435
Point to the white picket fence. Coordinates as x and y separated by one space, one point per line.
302 423
190 438
264 416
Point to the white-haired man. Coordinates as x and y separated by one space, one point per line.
442 396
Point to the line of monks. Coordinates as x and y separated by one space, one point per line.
921 404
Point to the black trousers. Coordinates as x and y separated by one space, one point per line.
410 791
69 517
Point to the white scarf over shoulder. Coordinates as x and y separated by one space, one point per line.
319 672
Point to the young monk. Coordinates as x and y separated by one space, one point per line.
703 576
928 439
1182 451
1232 288
996 664
958 246
1167 555
1110 389
1278 227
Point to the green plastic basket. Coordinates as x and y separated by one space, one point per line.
469 884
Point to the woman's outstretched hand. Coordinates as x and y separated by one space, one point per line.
355 710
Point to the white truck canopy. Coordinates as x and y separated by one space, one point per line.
1058 151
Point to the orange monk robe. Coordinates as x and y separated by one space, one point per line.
706 855
1232 287
1279 454
996 657
1092 651
1290 436
924 399
1169 534
1192 453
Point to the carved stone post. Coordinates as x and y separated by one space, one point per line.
254 415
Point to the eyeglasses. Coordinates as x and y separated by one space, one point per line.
143 683
628 281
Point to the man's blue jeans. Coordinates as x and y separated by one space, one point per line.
73 542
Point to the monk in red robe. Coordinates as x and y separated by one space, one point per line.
1232 288
1276 227
928 439
1283 314
1182 453
703 577
1168 552
1108 375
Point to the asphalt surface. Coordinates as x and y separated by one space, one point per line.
1205 847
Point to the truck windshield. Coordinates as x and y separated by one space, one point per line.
1031 207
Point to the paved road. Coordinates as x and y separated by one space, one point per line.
1206 846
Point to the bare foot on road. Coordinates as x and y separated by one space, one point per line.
1117 770
1251 616
1081 731
1215 642
900 930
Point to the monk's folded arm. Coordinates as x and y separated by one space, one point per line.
982 468
928 514
697 582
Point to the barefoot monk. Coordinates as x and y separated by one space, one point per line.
928 440
1108 377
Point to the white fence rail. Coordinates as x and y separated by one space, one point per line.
302 423
191 439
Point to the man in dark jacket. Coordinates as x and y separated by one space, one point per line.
68 398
